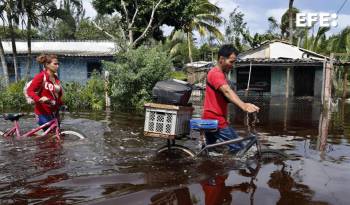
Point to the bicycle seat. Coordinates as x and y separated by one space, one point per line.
203 124
13 116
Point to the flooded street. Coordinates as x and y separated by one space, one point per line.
116 163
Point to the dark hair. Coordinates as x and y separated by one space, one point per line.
46 58
226 50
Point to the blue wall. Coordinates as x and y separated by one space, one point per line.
71 69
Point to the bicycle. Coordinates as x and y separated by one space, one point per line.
211 125
51 127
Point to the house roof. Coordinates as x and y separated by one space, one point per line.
64 48
280 49
199 64
278 61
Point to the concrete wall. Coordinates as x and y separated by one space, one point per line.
73 69
233 75
70 69
279 80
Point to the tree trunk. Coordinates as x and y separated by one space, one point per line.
189 47
29 56
4 64
290 21
345 82
14 50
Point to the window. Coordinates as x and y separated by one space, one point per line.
93 66
11 71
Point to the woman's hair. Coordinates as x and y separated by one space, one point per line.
46 58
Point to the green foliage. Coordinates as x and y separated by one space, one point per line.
135 73
19 34
285 22
180 75
83 97
12 97
174 10
87 31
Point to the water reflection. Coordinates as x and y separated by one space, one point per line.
116 164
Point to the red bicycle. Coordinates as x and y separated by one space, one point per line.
51 128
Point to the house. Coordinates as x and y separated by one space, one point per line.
78 59
269 68
197 71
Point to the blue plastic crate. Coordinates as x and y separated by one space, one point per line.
202 124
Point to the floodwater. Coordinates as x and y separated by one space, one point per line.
116 163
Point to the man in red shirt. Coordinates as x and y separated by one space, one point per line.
218 94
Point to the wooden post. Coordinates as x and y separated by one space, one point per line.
323 80
108 100
323 131
248 84
328 83
287 100
345 82
287 83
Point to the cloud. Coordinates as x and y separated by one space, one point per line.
276 13
343 20
89 9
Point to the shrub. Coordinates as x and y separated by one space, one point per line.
89 96
12 97
135 73
180 75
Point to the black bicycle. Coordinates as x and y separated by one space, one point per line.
252 140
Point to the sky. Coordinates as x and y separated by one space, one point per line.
256 12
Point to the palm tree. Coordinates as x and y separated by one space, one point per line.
2 52
4 64
35 11
11 9
290 14
204 19
341 44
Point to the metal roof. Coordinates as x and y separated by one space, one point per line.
278 61
64 48
280 49
285 62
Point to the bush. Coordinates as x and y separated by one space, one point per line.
89 96
135 73
12 97
180 75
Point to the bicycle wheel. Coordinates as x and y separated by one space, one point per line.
175 151
70 135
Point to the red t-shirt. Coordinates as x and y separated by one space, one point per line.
215 104
46 89
216 194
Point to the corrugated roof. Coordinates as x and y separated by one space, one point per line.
280 49
65 48
284 61
199 64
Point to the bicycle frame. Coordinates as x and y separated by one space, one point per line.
52 125
252 140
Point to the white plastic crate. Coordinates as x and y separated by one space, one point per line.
166 121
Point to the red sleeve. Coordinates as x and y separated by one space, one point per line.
217 79
35 86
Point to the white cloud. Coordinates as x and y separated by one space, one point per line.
343 20
276 13
89 9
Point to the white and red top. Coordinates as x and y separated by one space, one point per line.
52 90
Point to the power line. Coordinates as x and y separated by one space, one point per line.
342 6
